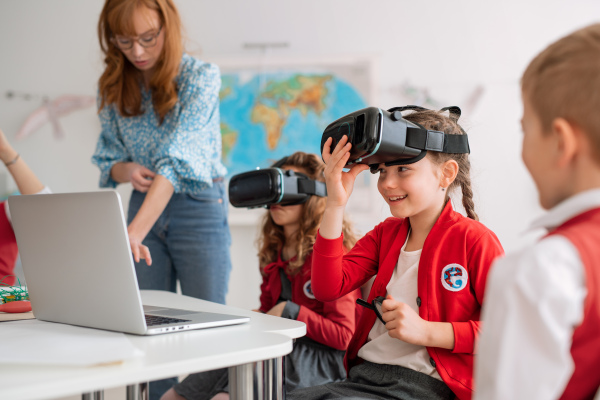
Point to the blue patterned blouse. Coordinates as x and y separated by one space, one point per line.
185 149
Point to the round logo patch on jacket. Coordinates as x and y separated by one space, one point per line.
454 277
308 290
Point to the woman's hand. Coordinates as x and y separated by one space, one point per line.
140 177
138 250
339 183
402 322
278 309
154 204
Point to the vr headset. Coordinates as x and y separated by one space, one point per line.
378 136
265 187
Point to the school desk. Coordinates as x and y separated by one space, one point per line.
253 352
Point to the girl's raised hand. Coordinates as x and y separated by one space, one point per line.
3 142
7 153
339 183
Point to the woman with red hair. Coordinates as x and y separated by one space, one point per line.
159 112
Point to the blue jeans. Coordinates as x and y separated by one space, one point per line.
189 242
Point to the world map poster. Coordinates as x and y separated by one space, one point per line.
269 113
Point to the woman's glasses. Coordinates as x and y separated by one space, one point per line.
374 305
146 41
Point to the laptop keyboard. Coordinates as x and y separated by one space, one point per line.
152 320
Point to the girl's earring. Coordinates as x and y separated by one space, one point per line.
443 189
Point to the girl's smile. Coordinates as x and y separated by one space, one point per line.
396 198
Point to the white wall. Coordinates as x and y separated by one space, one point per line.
50 48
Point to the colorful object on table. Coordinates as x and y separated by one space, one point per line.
20 306
10 293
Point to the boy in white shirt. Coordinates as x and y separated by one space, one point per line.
541 331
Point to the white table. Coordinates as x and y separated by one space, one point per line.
253 352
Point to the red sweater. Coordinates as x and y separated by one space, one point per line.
583 231
331 323
8 248
455 247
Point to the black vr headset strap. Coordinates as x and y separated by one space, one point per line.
453 110
404 108
312 187
455 114
424 139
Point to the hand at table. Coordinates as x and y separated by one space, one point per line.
138 250
278 309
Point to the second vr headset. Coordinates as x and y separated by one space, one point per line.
265 187
378 136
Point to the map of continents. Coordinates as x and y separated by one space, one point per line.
265 117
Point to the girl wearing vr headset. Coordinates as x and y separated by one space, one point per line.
285 257
430 264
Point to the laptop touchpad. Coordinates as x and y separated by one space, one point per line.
172 312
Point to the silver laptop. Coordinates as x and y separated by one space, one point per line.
79 268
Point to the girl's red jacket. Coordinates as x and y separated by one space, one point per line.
455 246
331 323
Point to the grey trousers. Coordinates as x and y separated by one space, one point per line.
309 364
378 381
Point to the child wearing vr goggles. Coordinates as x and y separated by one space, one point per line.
430 263
285 256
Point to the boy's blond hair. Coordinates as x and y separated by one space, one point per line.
563 81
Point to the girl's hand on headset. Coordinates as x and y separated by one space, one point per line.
339 183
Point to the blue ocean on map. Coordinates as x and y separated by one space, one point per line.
265 117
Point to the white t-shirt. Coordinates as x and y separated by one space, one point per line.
534 300
381 348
